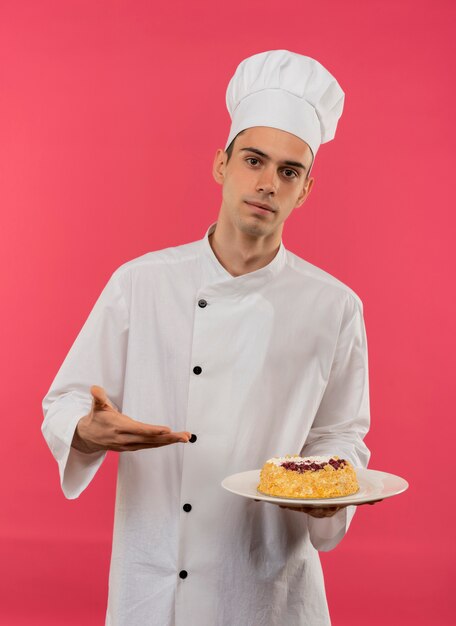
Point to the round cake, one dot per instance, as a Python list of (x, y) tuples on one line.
[(308, 477)]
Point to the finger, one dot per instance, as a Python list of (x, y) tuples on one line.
[(171, 436), (100, 399), (319, 514), (314, 511), (306, 509), (129, 426), (149, 439), (131, 447), (168, 437), (324, 512), (183, 436), (149, 431)]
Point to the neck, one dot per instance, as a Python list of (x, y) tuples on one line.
[(241, 253)]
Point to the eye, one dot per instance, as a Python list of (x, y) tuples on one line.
[(290, 173), (295, 174)]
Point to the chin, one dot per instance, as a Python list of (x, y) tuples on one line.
[(253, 228)]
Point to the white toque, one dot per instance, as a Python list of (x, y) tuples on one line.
[(288, 91)]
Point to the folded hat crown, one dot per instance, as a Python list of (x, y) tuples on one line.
[(285, 90)]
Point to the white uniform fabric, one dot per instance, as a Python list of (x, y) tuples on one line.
[(284, 370)]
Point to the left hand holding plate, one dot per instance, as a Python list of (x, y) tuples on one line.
[(324, 511)]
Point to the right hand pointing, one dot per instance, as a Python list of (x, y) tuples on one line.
[(105, 428)]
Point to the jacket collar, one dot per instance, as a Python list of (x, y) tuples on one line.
[(216, 279)]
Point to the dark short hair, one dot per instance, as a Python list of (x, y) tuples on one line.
[(229, 152)]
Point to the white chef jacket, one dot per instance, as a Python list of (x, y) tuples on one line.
[(283, 370)]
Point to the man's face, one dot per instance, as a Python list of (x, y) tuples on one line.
[(263, 168)]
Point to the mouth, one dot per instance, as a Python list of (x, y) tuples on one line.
[(264, 208)]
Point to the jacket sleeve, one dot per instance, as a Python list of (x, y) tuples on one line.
[(343, 417), (97, 357)]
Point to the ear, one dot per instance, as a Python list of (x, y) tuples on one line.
[(304, 193), (218, 168)]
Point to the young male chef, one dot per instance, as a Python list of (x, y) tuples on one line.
[(242, 351)]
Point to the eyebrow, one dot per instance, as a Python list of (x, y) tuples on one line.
[(266, 156)]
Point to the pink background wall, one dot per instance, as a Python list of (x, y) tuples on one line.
[(110, 115)]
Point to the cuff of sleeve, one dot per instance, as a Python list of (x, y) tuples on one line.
[(76, 469), (325, 533)]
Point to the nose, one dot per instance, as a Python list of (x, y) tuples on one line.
[(267, 182)]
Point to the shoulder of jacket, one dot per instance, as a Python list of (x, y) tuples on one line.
[(309, 271), (167, 256)]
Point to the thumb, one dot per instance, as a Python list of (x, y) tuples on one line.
[(100, 399)]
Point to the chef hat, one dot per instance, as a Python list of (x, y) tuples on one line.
[(288, 91)]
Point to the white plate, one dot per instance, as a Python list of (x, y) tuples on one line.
[(373, 485)]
